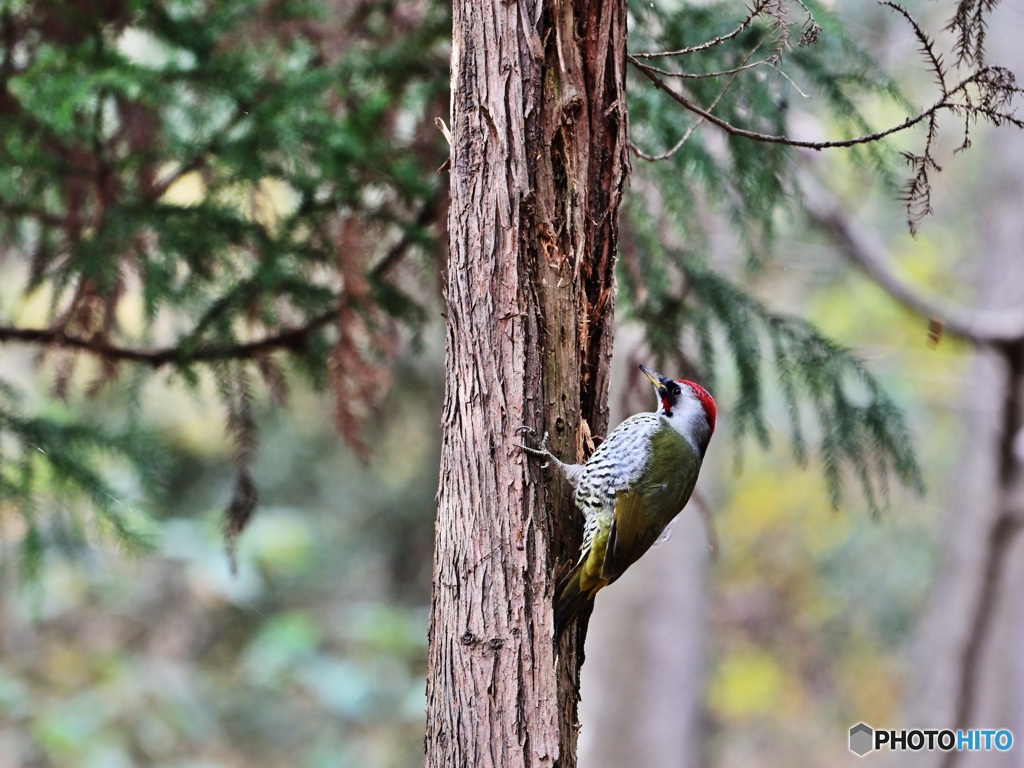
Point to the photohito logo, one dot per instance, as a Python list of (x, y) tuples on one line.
[(865, 739)]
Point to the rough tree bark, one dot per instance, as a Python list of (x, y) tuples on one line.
[(538, 165)]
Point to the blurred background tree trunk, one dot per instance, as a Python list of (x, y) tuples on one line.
[(642, 689), (968, 667), (968, 671)]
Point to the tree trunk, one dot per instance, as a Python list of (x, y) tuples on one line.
[(538, 165)]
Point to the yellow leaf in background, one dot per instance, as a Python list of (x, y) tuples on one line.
[(757, 507), (825, 529), (745, 683)]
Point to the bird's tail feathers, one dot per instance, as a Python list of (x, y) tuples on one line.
[(571, 600)]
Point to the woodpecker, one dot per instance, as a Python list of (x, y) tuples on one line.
[(632, 487)]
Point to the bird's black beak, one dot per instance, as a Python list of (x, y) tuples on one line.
[(660, 382)]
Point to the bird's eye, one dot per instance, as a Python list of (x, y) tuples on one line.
[(674, 389)]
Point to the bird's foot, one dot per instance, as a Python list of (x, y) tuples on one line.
[(541, 450)]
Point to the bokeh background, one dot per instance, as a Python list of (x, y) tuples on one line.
[(803, 620)]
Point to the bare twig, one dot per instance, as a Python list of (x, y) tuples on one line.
[(754, 12), (924, 43), (689, 131), (986, 94), (734, 72), (944, 103), (707, 75), (444, 130), (733, 130)]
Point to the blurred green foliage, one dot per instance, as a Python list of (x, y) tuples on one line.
[(312, 655), (224, 191)]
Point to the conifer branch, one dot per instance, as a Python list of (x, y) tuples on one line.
[(199, 158), (288, 339), (968, 24), (814, 372), (984, 94)]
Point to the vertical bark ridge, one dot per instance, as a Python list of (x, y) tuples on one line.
[(538, 164)]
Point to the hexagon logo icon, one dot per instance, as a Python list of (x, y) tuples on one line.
[(861, 739)]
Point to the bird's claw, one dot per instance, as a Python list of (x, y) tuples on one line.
[(541, 449)]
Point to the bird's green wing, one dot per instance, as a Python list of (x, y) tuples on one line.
[(630, 535), (644, 509)]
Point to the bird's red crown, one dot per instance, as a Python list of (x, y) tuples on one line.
[(706, 400)]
